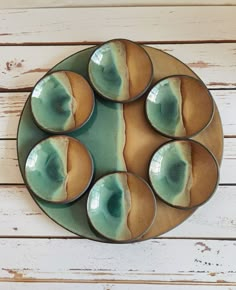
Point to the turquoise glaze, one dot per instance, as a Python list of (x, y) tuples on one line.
[(107, 156), (105, 74), (46, 169), (108, 207), (170, 173), (164, 107), (120, 70), (103, 135), (53, 104), (109, 72)]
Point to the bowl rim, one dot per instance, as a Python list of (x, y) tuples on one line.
[(49, 73), (154, 202), (187, 136), (142, 93), (27, 183), (216, 181)]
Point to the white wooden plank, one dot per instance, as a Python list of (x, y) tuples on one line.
[(228, 167), (10, 173), (226, 103), (162, 24), (154, 261), (20, 216), (11, 105), (9, 168), (105, 286), (97, 3), (21, 67), (215, 219)]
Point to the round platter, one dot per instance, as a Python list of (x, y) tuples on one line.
[(119, 138)]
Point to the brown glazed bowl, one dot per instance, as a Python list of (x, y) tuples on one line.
[(183, 173), (59, 169), (121, 206), (120, 70), (179, 106), (62, 102)]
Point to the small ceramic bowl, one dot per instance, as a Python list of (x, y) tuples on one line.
[(59, 169), (183, 173), (61, 102), (121, 206), (179, 106), (120, 70)]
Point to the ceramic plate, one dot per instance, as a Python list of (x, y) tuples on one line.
[(129, 143)]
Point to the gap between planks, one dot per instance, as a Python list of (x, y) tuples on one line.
[(159, 42)]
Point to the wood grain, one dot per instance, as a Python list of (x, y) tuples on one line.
[(22, 66), (155, 261), (106, 286), (35, 252), (148, 24), (104, 3), (21, 217)]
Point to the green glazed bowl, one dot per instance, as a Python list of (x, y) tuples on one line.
[(179, 106), (183, 173), (62, 101), (120, 70), (59, 169), (121, 206)]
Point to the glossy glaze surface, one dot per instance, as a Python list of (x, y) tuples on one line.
[(121, 206), (179, 106), (58, 169), (62, 101), (120, 70), (171, 173), (119, 138), (175, 173)]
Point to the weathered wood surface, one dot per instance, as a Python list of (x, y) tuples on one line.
[(105, 3), (105, 286), (198, 254), (10, 173), (154, 261), (22, 66), (21, 217), (11, 105), (149, 24)]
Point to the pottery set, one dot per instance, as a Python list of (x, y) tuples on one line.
[(120, 142)]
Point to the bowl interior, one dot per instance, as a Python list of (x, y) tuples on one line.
[(120, 70), (59, 169), (62, 101), (121, 206), (184, 174), (179, 106)]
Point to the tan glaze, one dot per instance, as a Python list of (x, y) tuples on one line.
[(204, 173), (197, 105), (143, 206), (139, 67), (142, 140), (84, 97), (79, 169)]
